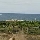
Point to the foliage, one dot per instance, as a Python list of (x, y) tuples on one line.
[(9, 26)]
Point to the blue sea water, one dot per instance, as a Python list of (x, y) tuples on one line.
[(6, 16)]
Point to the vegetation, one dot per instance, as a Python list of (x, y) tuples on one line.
[(28, 27)]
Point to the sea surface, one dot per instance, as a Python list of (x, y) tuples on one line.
[(8, 16)]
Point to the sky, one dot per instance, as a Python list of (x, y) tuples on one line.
[(20, 6)]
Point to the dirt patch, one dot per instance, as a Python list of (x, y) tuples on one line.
[(4, 36)]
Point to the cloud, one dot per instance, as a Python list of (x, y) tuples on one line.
[(20, 6)]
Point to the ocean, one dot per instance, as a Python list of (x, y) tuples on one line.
[(8, 16)]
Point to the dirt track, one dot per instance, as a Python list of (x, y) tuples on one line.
[(18, 37)]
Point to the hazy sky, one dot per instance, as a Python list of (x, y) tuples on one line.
[(20, 6)]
